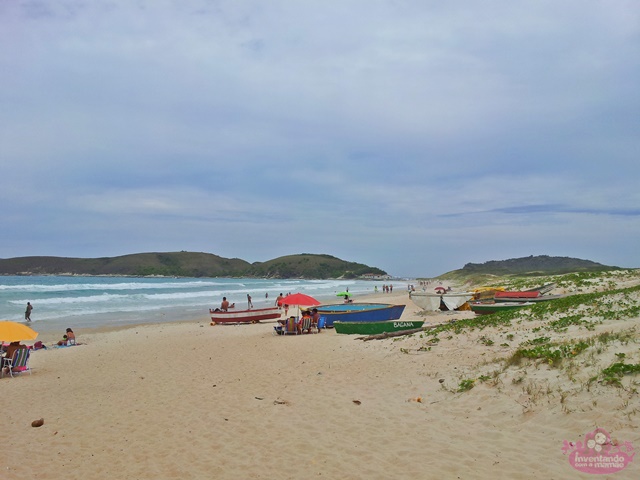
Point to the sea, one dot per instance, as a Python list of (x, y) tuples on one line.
[(78, 302)]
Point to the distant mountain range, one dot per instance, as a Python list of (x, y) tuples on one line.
[(306, 265), (189, 264)]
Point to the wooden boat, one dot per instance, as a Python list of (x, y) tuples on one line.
[(358, 312), (440, 301), (499, 294), (482, 308), (484, 294), (243, 316), (524, 297), (510, 294), (374, 328)]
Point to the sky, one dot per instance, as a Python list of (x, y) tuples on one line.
[(410, 135)]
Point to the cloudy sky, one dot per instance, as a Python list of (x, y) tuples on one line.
[(411, 135)]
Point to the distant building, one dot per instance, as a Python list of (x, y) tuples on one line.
[(375, 276)]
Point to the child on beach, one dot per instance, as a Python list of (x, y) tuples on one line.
[(68, 339)]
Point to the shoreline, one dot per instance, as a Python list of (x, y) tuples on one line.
[(53, 336), (80, 302)]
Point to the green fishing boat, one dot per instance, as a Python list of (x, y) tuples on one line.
[(374, 328)]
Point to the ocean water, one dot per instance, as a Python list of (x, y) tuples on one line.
[(88, 302)]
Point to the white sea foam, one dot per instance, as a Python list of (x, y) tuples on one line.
[(91, 301)]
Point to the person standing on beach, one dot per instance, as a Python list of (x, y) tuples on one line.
[(249, 304), (27, 313), (279, 300)]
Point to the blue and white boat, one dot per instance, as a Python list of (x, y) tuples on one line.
[(358, 312)]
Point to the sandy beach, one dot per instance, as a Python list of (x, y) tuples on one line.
[(190, 400)]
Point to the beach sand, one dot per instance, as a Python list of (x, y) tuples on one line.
[(190, 400)]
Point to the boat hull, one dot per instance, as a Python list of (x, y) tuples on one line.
[(358, 312), (542, 298), (432, 302), (374, 328), (488, 308), (244, 316)]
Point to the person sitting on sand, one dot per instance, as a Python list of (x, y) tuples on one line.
[(63, 342), (224, 306), (71, 337)]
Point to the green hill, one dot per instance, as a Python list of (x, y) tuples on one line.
[(188, 264), (311, 266), (532, 266)]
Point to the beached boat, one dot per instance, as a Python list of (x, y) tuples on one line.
[(485, 294), (374, 328), (358, 312), (244, 316), (482, 308), (524, 297), (499, 294), (432, 302)]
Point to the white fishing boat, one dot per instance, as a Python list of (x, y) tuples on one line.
[(432, 302)]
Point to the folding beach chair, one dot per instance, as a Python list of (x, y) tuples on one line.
[(307, 323), (18, 363), (290, 326)]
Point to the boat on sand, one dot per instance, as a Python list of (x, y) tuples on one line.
[(243, 316), (529, 297), (432, 302), (358, 312), (374, 328)]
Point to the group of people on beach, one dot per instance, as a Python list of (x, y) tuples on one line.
[(7, 351), (308, 322), (68, 339), (225, 305)]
